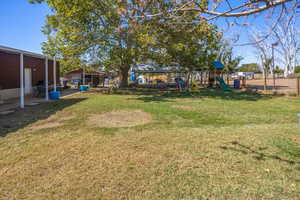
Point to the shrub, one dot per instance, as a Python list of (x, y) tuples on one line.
[(297, 70)]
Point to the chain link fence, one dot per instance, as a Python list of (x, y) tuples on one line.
[(287, 86)]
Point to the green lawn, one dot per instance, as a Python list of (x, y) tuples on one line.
[(201, 145)]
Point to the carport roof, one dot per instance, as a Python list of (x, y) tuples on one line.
[(18, 51)]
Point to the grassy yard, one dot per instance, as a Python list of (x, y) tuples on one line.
[(204, 145)]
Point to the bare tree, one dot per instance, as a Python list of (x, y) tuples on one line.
[(287, 34), (263, 51), (284, 38), (212, 9), (247, 8)]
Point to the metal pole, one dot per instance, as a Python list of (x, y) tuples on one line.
[(46, 79), (21, 80), (215, 77), (92, 80), (298, 86), (227, 77), (273, 66), (83, 74), (54, 73)]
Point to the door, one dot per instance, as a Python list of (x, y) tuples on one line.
[(28, 80)]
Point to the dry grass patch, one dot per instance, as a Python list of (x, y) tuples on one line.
[(66, 118), (220, 151), (45, 126), (53, 121), (121, 118), (59, 117)]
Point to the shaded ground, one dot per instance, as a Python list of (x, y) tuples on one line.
[(200, 145), (24, 117), (205, 93), (12, 104)]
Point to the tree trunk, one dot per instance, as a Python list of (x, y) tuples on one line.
[(189, 79), (201, 78), (265, 81), (123, 74), (211, 79), (227, 78)]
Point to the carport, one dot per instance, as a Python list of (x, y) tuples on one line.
[(14, 62)]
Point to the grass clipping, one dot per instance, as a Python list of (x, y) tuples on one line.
[(121, 118)]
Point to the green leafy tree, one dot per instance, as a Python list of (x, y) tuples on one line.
[(192, 46), (226, 57), (114, 34), (250, 67), (68, 61), (297, 70), (277, 70), (107, 33)]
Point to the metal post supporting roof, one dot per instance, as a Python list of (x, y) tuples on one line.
[(83, 74), (21, 80), (46, 80), (54, 74)]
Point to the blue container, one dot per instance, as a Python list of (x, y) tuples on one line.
[(236, 84), (132, 77), (54, 95), (83, 88)]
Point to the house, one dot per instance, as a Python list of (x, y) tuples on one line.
[(246, 74), (154, 72), (81, 76), (21, 71)]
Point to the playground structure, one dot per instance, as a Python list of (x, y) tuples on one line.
[(151, 76), (181, 85), (158, 80), (179, 79), (218, 76)]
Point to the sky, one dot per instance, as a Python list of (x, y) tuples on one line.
[(21, 24)]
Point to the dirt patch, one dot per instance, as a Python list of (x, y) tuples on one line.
[(283, 86), (120, 118), (296, 139), (61, 118), (66, 118), (45, 126)]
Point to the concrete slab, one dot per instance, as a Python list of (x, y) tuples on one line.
[(32, 104), (12, 104), (7, 112)]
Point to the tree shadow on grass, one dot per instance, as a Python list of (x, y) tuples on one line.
[(23, 117), (258, 154), (204, 93)]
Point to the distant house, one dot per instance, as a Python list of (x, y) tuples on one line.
[(13, 61), (80, 76), (245, 74), (154, 68)]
